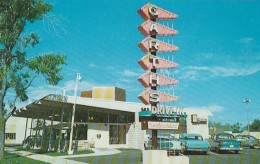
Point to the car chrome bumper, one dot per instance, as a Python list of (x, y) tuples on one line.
[(197, 149), (230, 148)]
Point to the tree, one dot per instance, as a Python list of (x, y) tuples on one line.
[(227, 127), (17, 70), (255, 126), (210, 124), (215, 125), (236, 128)]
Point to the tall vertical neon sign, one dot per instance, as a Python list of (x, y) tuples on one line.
[(151, 46)]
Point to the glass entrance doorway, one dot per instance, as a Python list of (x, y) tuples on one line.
[(117, 134)]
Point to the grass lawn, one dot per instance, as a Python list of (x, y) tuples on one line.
[(127, 156), (10, 158)]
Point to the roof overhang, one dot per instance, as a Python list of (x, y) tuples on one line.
[(52, 105)]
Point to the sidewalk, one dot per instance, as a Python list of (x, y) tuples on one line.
[(62, 159)]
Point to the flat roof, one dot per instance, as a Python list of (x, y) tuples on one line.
[(53, 104)]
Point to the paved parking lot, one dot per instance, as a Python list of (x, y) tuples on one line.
[(246, 156)]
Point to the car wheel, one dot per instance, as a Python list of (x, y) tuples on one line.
[(207, 152), (217, 150), (255, 146)]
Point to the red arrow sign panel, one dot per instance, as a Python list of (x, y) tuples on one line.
[(153, 62), (148, 96), (150, 11), (152, 79), (150, 44), (149, 26)]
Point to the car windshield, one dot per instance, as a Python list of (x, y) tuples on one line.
[(251, 138), (164, 139), (225, 136), (161, 139), (194, 138), (241, 137)]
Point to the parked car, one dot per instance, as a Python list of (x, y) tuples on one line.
[(224, 142), (165, 143), (248, 141), (194, 142)]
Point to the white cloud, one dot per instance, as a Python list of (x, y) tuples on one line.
[(191, 75), (91, 65), (243, 71), (246, 40), (130, 73), (110, 68), (203, 56), (197, 68), (125, 80), (82, 86), (196, 73), (36, 93), (212, 108)]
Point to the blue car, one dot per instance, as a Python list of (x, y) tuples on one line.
[(223, 142), (194, 142)]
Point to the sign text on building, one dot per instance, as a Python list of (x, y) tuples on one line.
[(199, 120), (163, 125)]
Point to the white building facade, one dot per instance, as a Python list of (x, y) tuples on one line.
[(107, 123)]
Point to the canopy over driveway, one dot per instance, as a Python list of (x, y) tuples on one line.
[(51, 106)]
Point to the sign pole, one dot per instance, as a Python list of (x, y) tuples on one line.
[(150, 45), (154, 88)]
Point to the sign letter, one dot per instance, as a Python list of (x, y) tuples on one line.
[(154, 59), (153, 11), (154, 97), (154, 109), (153, 28), (154, 45), (155, 78)]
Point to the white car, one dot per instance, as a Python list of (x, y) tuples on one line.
[(164, 143)]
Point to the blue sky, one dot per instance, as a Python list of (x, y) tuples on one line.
[(218, 40)]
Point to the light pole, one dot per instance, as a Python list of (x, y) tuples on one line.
[(70, 151), (247, 101)]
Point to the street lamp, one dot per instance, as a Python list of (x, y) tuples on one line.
[(73, 112), (247, 101)]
